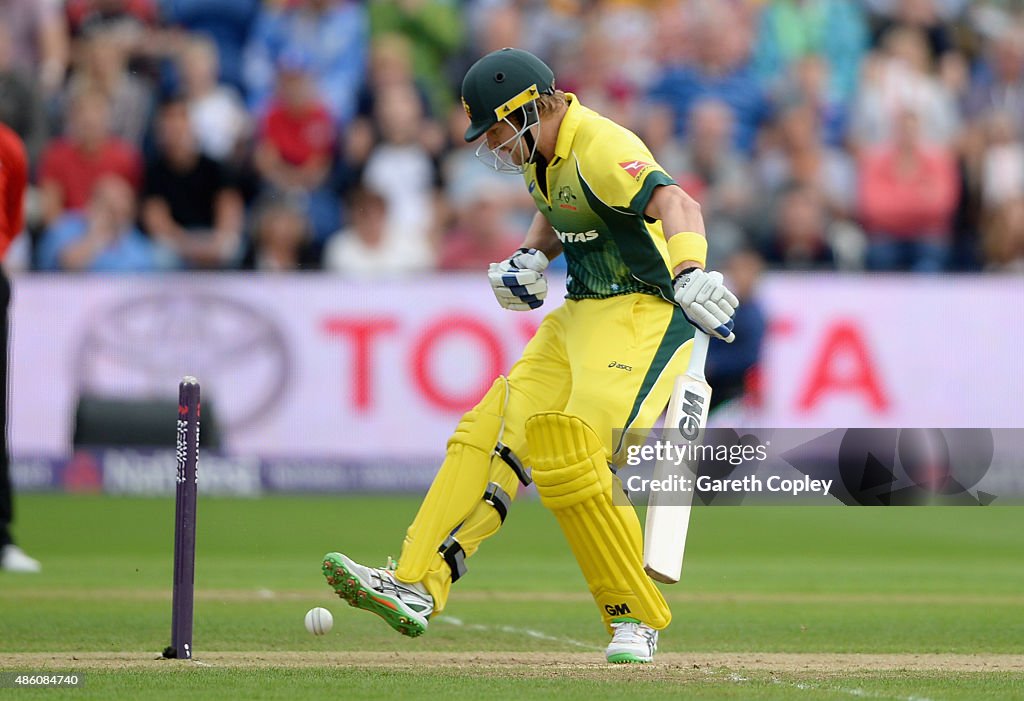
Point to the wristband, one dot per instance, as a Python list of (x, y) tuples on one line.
[(685, 246)]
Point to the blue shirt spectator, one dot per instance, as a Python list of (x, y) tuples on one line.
[(102, 238), (732, 367), (682, 87), (226, 22), (131, 251), (335, 33), (717, 69)]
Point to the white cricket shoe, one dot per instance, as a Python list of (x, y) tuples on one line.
[(405, 607), (633, 641), (14, 559)]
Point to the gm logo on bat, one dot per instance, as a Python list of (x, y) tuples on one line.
[(689, 422)]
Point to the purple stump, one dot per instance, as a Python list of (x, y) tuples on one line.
[(185, 520)]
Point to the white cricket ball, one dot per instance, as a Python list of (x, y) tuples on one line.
[(319, 621)]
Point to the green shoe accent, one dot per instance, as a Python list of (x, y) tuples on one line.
[(626, 658), (625, 619), (349, 587)]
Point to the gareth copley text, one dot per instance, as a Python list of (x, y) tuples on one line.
[(745, 485)]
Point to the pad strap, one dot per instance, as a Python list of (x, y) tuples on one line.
[(499, 499), (454, 555), (510, 459)]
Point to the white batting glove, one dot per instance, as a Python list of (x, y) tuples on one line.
[(518, 282), (707, 302)]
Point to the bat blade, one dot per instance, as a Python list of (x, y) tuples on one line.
[(668, 512)]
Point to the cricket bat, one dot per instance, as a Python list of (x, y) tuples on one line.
[(668, 513)]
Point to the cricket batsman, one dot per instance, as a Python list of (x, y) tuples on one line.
[(601, 363)]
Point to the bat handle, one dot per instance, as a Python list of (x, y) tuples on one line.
[(698, 355)]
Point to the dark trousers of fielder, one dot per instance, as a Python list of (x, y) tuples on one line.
[(6, 502)]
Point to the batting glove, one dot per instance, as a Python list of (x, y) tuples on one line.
[(707, 302), (519, 282)]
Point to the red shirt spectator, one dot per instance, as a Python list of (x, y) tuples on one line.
[(299, 134), (13, 178), (908, 189), (75, 170), (71, 166)]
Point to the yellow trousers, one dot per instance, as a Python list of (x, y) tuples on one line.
[(608, 362)]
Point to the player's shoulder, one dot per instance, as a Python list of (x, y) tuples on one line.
[(611, 159), (599, 137)]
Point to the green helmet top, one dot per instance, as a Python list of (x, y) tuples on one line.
[(499, 83)]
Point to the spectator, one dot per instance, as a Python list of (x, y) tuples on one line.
[(908, 191), (898, 78), (538, 26), (104, 238), (280, 240), (129, 23), (800, 239), (217, 114), (494, 24), (39, 40), (922, 15), (998, 83), (104, 69), (807, 82), (732, 367), (434, 29), (799, 154), (1003, 240), (225, 23), (71, 166), (21, 103), (628, 28), (372, 246), (295, 151), (671, 21), (833, 29), (711, 171), (481, 234), (401, 157), (596, 74), (188, 204), (720, 69), (1002, 168), (391, 64), (334, 32)]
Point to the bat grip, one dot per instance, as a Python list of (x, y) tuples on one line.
[(698, 355)]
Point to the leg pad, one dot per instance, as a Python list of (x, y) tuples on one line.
[(571, 472)]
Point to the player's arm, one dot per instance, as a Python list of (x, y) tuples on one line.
[(703, 296), (542, 237), (518, 282), (678, 213)]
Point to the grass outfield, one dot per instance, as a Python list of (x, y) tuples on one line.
[(805, 603)]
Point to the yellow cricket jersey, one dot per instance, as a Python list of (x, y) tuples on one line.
[(598, 184)]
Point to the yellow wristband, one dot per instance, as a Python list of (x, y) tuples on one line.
[(687, 245)]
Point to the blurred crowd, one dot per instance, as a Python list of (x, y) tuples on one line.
[(327, 134)]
